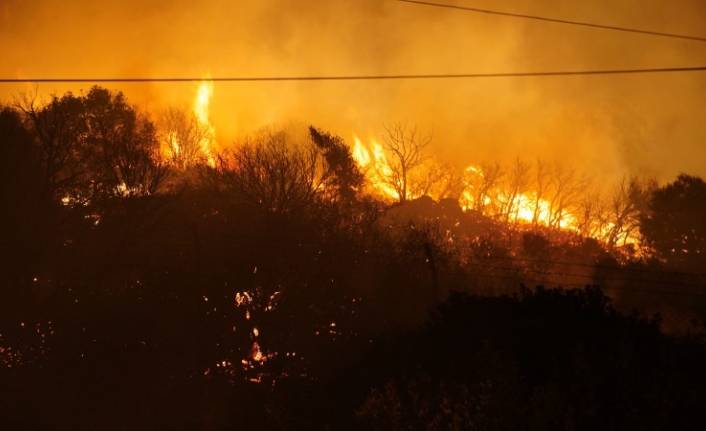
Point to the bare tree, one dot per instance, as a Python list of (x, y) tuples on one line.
[(58, 129), (541, 189), (483, 185), (182, 137), (405, 146), (591, 215), (627, 203), (269, 173), (566, 188), (439, 180), (432, 179), (517, 182)]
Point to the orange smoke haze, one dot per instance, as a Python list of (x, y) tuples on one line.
[(608, 126)]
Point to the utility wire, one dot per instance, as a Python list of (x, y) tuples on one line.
[(555, 20), (362, 77)]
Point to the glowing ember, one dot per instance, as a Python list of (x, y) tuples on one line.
[(242, 298), (256, 353)]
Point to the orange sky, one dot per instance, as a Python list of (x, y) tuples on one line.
[(609, 126)]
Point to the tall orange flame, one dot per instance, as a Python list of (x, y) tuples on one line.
[(201, 111)]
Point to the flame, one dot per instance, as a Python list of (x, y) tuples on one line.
[(376, 167), (173, 144), (522, 208), (201, 111), (172, 149), (499, 202)]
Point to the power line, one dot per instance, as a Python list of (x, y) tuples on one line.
[(554, 20), (360, 77)]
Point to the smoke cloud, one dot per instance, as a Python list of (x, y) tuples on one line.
[(608, 126)]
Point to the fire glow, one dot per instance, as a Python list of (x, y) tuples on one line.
[(203, 133), (498, 201), (201, 110)]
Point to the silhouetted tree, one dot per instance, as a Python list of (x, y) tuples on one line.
[(95, 146), (541, 190), (405, 148), (275, 175), (59, 129), (182, 137), (518, 179), (592, 215), (566, 188), (483, 181), (342, 178), (674, 225), (628, 202), (121, 146)]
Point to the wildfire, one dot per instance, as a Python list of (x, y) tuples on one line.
[(201, 110), (376, 168), (519, 207), (479, 192), (198, 136)]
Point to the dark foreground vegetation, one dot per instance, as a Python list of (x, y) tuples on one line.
[(270, 292)]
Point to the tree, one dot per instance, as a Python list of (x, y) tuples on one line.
[(518, 180), (541, 189), (121, 146), (405, 147), (483, 184), (58, 130), (592, 217), (627, 203), (181, 141), (566, 188), (271, 174), (674, 224), (94, 146), (341, 178)]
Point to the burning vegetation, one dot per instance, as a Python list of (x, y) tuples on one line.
[(293, 262), (189, 136), (400, 167)]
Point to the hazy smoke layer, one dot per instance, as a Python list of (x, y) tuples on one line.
[(609, 126)]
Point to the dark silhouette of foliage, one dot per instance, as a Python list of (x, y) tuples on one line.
[(343, 175), (120, 146), (58, 128), (94, 147), (675, 223), (268, 292), (28, 216), (546, 359), (273, 175)]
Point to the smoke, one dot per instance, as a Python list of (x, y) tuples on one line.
[(608, 126)]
